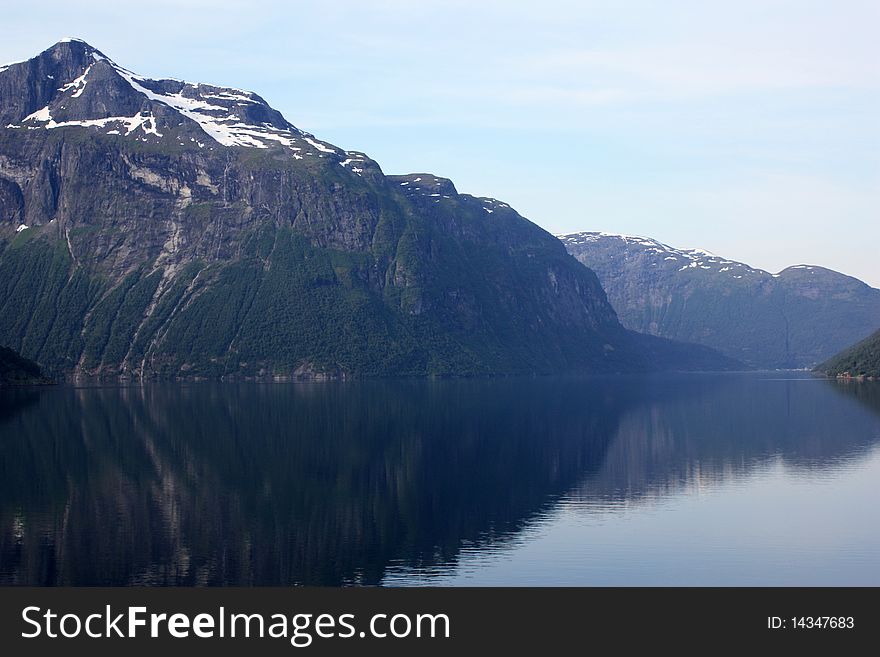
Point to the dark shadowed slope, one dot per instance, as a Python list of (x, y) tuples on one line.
[(15, 370)]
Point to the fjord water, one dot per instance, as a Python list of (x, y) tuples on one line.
[(688, 479)]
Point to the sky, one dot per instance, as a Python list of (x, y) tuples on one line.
[(750, 128)]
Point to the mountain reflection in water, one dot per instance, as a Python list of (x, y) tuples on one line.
[(379, 481)]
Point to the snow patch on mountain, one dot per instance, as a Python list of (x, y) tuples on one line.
[(147, 122), (666, 256), (79, 84), (204, 113), (221, 112), (352, 162), (681, 259), (321, 147)]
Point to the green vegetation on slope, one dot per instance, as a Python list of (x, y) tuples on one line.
[(860, 360), (301, 307)]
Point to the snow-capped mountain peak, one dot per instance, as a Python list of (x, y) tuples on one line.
[(662, 255), (77, 86)]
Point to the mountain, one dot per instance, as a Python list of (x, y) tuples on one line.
[(15, 370), (793, 319), (860, 360), (160, 227)]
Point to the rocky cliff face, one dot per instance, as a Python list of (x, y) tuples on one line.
[(793, 319), (158, 227)]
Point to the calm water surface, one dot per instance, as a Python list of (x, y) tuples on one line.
[(699, 480)]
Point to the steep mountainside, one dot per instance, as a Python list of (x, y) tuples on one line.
[(158, 227), (860, 360), (792, 319)]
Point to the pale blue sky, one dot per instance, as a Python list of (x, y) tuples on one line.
[(748, 128)]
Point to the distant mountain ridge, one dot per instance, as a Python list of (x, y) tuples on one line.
[(166, 228), (793, 319)]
